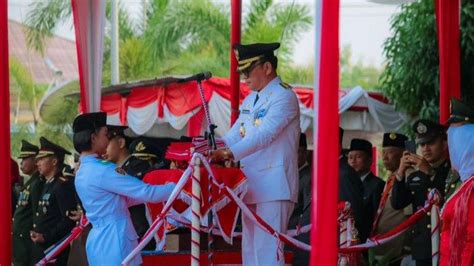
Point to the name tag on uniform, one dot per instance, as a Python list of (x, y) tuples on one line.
[(245, 111), (260, 113)]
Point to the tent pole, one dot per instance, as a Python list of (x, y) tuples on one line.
[(236, 10), (5, 186)]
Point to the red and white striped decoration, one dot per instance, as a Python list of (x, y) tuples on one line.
[(435, 234), (196, 214)]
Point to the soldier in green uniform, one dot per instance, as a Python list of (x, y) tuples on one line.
[(27, 205), (57, 199), (453, 182)]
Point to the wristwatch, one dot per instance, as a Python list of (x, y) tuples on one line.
[(398, 176)]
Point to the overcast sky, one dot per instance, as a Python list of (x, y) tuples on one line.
[(363, 25)]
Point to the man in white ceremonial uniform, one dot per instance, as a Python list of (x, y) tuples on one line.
[(265, 140)]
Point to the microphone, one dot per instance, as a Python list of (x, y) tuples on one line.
[(198, 77)]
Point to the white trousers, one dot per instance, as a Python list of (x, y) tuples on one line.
[(259, 248)]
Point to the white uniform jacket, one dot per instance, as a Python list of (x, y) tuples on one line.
[(106, 195), (265, 140)]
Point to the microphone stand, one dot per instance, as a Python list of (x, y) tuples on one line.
[(212, 146)]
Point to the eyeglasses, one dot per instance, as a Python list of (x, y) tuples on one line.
[(246, 72)]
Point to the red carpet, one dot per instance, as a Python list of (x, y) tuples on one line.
[(183, 258)]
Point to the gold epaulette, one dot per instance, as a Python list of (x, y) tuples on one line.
[(286, 85)]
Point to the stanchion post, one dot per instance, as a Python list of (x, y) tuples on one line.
[(435, 234), (196, 217)]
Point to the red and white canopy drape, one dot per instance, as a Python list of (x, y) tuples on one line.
[(89, 21), (179, 105)]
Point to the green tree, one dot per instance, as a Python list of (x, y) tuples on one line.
[(22, 83), (357, 74), (175, 33), (411, 76), (198, 32)]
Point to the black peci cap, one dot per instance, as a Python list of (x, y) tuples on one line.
[(393, 139), (89, 121)]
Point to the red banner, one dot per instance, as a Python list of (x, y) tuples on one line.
[(325, 174), (448, 22), (5, 186)]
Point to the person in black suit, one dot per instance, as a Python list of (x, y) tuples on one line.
[(118, 152), (351, 190), (416, 177), (302, 214), (360, 159)]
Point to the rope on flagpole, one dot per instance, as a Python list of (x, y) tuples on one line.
[(196, 214)]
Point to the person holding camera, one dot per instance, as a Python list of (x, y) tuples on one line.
[(416, 177)]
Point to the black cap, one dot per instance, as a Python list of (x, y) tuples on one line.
[(247, 54), (394, 140), (303, 142), (28, 150), (89, 121), (114, 131), (460, 112), (48, 149), (144, 148), (427, 131), (67, 171), (361, 145)]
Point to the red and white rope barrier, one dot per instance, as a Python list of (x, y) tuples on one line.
[(55, 250), (196, 214), (346, 239), (433, 198), (155, 226), (435, 233)]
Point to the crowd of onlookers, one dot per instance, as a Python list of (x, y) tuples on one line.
[(46, 206), (414, 168)]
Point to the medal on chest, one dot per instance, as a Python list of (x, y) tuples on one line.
[(242, 130), (257, 121)]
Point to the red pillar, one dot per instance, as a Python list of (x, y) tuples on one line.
[(324, 236), (448, 22), (236, 10), (5, 183)]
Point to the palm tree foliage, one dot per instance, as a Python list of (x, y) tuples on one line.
[(181, 36)]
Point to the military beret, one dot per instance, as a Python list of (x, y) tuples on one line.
[(247, 54), (460, 112), (89, 121), (28, 150), (48, 148), (144, 148), (394, 140), (361, 145), (427, 131)]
